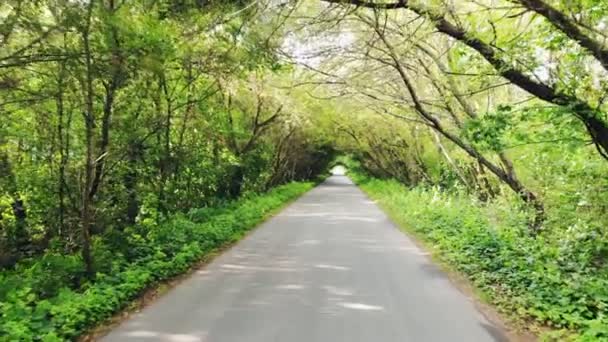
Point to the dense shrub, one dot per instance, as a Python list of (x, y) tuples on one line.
[(42, 299), (558, 279)]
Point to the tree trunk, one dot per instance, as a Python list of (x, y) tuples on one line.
[(89, 118), (130, 183), (165, 160), (235, 186), (62, 158), (449, 159)]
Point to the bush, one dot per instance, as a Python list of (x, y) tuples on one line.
[(41, 301)]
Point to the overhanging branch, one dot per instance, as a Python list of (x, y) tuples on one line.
[(369, 4)]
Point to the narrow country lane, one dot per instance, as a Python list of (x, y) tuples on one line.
[(331, 267)]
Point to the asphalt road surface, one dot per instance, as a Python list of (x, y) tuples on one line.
[(331, 267)]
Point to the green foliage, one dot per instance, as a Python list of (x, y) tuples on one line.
[(487, 132), (559, 279), (172, 105)]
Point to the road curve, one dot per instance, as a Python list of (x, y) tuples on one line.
[(331, 267)]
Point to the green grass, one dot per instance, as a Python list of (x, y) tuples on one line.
[(557, 280), (39, 302)]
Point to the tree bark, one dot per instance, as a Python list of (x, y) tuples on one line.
[(165, 160), (130, 183), (117, 75), (63, 140)]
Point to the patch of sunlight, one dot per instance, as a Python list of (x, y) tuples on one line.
[(199, 337), (183, 338), (361, 306), (235, 267), (332, 267), (290, 287), (306, 243), (143, 334), (355, 218), (373, 241), (305, 214), (232, 268), (259, 303)]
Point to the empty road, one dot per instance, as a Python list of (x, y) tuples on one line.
[(330, 267)]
